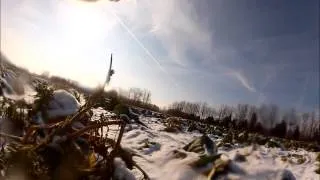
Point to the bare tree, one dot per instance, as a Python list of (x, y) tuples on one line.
[(251, 110), (273, 115), (206, 111), (135, 94), (304, 124), (312, 128), (123, 93), (179, 106), (203, 110), (188, 108), (242, 111), (224, 111), (182, 105), (146, 96), (292, 117), (193, 108), (212, 112), (268, 114)]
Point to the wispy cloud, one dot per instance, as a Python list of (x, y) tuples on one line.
[(181, 32), (174, 23), (243, 80)]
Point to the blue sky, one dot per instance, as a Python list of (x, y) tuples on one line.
[(219, 51)]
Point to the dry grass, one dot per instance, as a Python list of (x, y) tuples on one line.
[(40, 160)]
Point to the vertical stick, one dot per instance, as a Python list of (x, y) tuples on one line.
[(123, 125), (108, 78)]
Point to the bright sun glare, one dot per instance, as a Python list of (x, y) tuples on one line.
[(75, 30)]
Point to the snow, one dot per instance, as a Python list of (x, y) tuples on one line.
[(63, 104), (121, 171), (12, 84), (7, 87), (16, 87), (159, 161)]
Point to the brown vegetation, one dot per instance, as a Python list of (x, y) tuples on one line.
[(43, 159)]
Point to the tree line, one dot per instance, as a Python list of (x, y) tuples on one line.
[(266, 118), (132, 97)]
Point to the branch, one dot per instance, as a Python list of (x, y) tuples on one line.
[(17, 138), (142, 171), (91, 127)]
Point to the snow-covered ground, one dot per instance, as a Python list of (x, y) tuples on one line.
[(160, 162)]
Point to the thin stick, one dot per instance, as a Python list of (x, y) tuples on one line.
[(17, 138), (94, 126), (123, 124), (142, 171), (109, 74)]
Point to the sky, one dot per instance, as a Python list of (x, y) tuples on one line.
[(218, 51)]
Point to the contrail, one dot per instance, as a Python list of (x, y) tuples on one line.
[(143, 47)]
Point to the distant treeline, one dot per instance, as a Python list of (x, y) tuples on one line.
[(133, 97), (266, 119)]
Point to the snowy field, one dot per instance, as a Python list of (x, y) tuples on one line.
[(160, 154), (160, 161)]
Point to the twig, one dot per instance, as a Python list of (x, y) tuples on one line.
[(76, 116), (17, 138), (62, 125), (142, 171), (95, 126), (117, 147)]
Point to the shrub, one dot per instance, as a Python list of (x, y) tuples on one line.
[(253, 121), (280, 130), (121, 109), (111, 99), (43, 97), (296, 133)]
